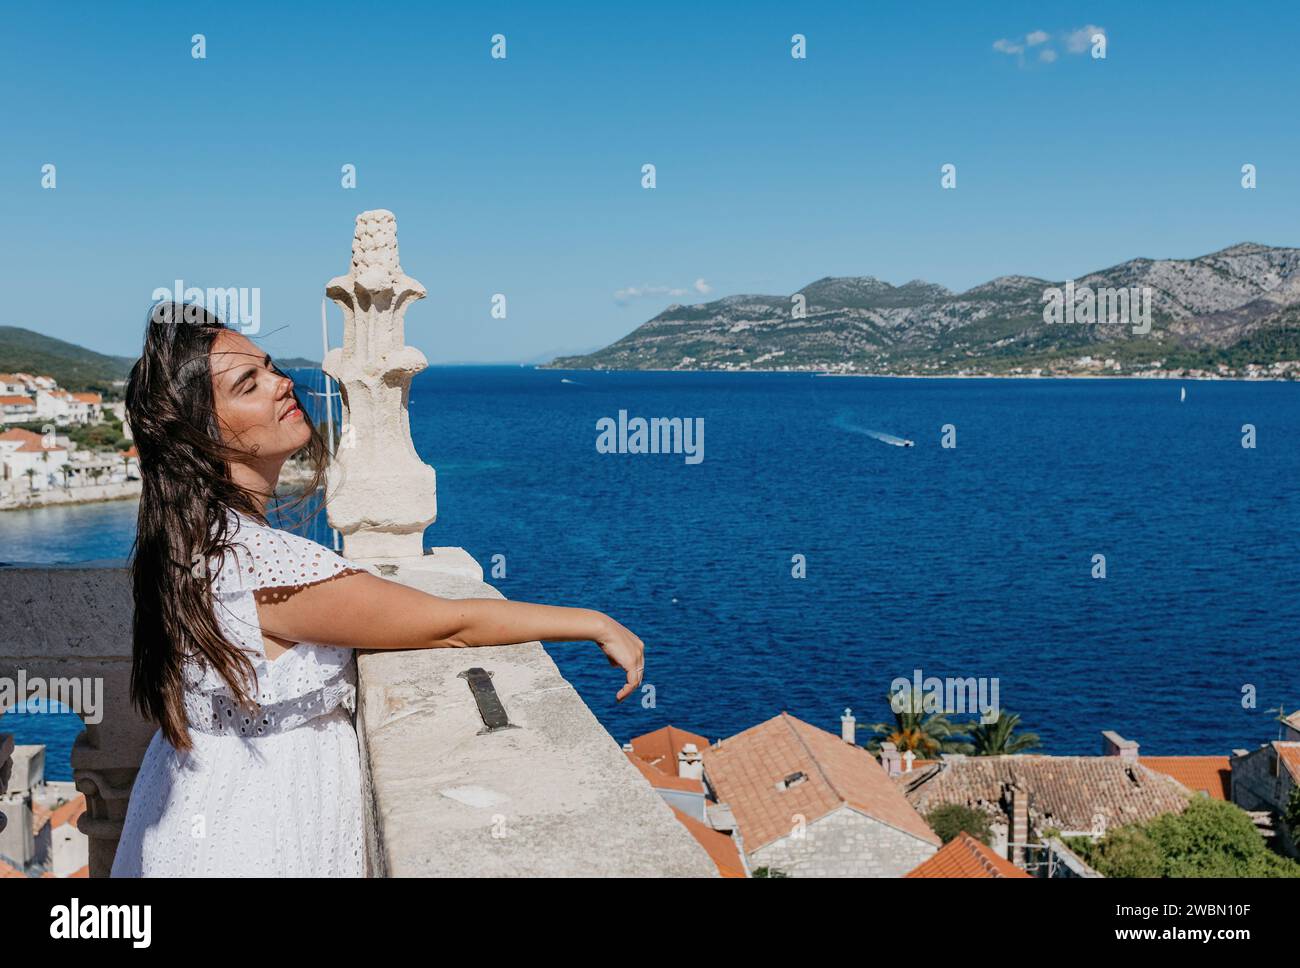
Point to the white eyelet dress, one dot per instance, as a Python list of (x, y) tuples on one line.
[(272, 792)]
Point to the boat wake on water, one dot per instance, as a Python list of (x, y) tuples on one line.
[(884, 438)]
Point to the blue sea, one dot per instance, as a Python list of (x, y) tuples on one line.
[(969, 561)]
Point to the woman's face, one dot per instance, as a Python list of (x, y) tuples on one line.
[(256, 410)]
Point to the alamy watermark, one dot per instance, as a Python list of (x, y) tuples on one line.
[(658, 435), (948, 696), (83, 696), (239, 306), (1104, 306)]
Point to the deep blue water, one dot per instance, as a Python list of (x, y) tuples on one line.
[(972, 561)]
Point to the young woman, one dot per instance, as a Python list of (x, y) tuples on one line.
[(244, 633)]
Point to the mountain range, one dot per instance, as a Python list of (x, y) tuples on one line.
[(1217, 312)]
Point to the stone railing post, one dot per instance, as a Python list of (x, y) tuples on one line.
[(380, 495)]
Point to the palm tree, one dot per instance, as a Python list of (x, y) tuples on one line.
[(31, 478), (97, 473), (925, 735), (998, 737), (66, 471)]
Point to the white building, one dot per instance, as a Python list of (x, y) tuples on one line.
[(22, 450), (17, 408), (42, 837)]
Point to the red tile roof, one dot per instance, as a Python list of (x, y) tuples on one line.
[(88, 397), (1208, 774), (745, 771), (1066, 792), (31, 443), (660, 748), (1288, 754), (68, 812), (662, 781), (12, 400), (81, 872), (964, 856), (719, 845)]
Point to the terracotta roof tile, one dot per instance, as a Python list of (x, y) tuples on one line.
[(1066, 792), (15, 400), (69, 811), (662, 781), (80, 872), (745, 769), (660, 748), (964, 856), (1209, 774), (1288, 754), (719, 845)]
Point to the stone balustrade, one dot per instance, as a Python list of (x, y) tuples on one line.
[(554, 797)]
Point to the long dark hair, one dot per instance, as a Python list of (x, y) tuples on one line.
[(186, 489)]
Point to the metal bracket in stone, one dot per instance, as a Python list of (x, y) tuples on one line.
[(489, 703)]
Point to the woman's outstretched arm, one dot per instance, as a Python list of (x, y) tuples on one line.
[(363, 611)]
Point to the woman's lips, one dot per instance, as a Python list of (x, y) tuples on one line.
[(296, 410)]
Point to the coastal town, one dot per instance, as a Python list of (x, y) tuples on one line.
[(786, 798), (62, 447)]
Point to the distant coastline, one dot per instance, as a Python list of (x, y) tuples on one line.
[(1205, 378)]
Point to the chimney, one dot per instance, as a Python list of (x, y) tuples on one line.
[(908, 757), (1113, 744), (849, 728), (1019, 824), (690, 762), (629, 748), (889, 759)]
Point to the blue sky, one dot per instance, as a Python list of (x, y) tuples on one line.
[(523, 176)]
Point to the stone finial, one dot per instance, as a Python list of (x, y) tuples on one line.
[(380, 495)]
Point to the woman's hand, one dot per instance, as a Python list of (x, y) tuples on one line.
[(623, 649)]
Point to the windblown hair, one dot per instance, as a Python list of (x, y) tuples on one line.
[(186, 489)]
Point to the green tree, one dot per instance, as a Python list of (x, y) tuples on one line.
[(999, 738), (925, 734), (1211, 838), (950, 819), (1292, 812), (1123, 852)]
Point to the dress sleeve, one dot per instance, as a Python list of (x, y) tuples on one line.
[(262, 557)]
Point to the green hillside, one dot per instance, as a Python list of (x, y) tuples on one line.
[(74, 367)]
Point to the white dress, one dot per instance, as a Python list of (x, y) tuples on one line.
[(276, 794)]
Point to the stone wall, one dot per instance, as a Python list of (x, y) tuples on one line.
[(845, 843)]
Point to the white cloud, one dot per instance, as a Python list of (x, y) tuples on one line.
[(1007, 46), (1036, 38), (623, 296), (1077, 41), (1047, 56)]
